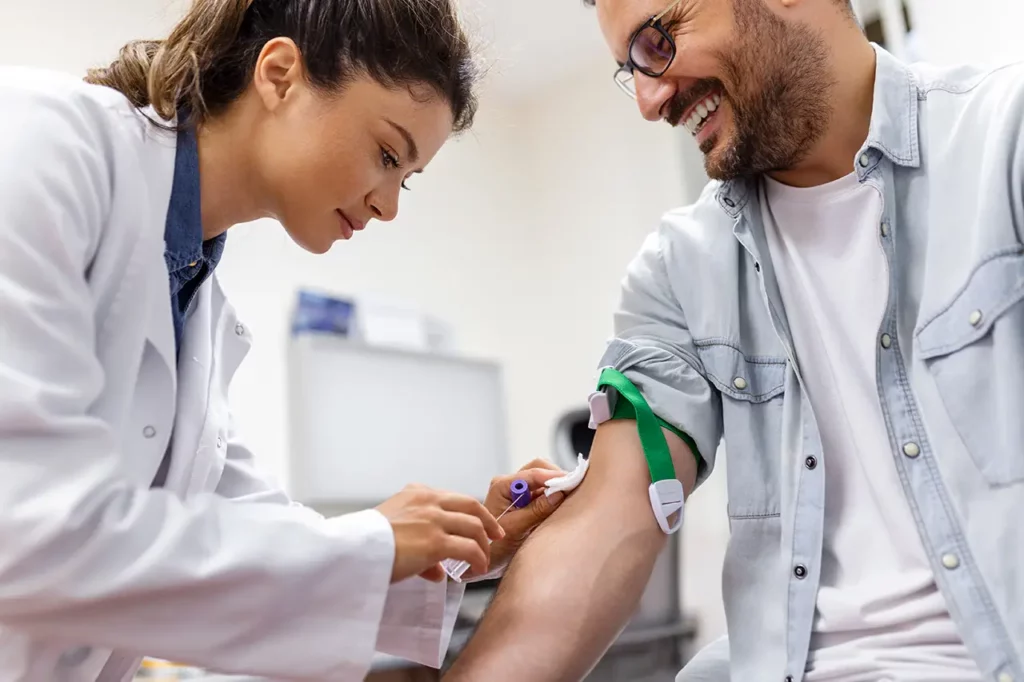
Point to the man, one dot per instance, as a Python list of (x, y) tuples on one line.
[(845, 304)]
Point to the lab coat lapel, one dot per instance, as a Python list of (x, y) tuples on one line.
[(159, 324), (188, 449)]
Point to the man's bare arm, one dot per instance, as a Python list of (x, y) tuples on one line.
[(577, 580)]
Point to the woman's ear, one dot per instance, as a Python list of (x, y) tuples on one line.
[(279, 72)]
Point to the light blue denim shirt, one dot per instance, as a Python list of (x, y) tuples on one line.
[(703, 333)]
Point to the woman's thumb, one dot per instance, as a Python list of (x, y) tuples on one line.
[(531, 516)]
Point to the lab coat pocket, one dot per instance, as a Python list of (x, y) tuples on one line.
[(974, 349), (752, 392)]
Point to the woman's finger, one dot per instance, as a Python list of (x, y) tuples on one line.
[(466, 526), (434, 574), (535, 478), (539, 464), (464, 549), (467, 505), (521, 521)]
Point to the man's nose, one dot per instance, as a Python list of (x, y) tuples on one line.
[(651, 95)]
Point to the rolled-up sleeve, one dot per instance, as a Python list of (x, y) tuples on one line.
[(653, 348)]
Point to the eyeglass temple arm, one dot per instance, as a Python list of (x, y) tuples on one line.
[(665, 11)]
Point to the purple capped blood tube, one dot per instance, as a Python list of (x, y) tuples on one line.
[(520, 490)]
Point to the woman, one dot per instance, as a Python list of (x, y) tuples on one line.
[(132, 522)]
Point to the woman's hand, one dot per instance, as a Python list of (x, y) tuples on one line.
[(518, 523), (432, 525)]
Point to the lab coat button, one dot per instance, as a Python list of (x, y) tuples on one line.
[(811, 462), (220, 442), (240, 329), (950, 561), (740, 383), (800, 571), (75, 657), (865, 160), (149, 432), (911, 450), (886, 341), (885, 229), (975, 318)]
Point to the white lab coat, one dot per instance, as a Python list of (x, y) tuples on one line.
[(218, 568)]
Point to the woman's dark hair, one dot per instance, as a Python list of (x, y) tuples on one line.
[(208, 59)]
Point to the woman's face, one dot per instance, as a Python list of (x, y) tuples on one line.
[(330, 162)]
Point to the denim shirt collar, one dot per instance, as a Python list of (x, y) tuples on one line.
[(183, 231), (893, 131)]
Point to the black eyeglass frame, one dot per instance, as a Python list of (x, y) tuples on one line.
[(627, 69)]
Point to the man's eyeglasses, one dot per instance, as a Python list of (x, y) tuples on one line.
[(651, 51)]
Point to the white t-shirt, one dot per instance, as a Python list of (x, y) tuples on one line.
[(880, 615)]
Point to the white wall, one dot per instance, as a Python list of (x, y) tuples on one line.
[(982, 31)]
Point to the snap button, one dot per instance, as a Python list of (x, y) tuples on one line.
[(811, 462), (911, 450), (757, 266), (729, 202), (148, 432), (740, 383), (865, 160), (239, 329), (886, 340), (885, 229), (950, 561), (975, 318), (220, 442), (800, 571)]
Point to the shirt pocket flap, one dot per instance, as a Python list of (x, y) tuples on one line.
[(993, 287), (752, 379)]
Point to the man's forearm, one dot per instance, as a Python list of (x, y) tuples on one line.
[(577, 580)]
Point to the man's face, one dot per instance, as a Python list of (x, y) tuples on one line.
[(750, 86)]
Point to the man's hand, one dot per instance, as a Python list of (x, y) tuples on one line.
[(582, 572)]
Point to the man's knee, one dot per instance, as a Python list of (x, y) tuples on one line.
[(711, 664)]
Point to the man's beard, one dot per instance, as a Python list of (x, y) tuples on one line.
[(779, 86)]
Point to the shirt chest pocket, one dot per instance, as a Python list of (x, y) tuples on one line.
[(974, 350), (751, 389)]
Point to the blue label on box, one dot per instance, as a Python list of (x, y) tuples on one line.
[(321, 313)]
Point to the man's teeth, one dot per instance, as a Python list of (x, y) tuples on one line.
[(701, 112)]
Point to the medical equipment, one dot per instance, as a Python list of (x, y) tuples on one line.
[(666, 491), (345, 460), (456, 569), (520, 493), (569, 482)]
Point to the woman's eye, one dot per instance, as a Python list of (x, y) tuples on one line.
[(388, 159)]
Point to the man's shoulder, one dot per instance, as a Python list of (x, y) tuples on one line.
[(701, 228), (970, 112), (972, 94), (966, 79)]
